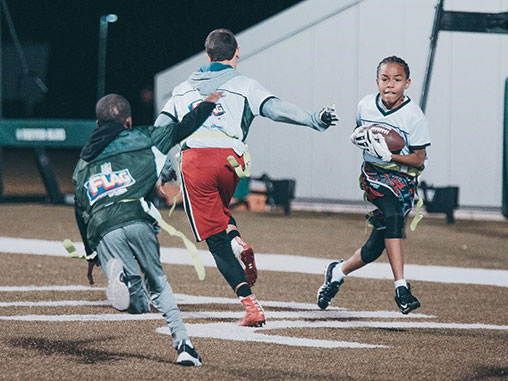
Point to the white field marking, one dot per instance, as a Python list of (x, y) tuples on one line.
[(287, 263), (87, 317), (231, 331), (305, 315), (59, 303), (275, 324), (192, 299), (217, 315), (49, 288), (183, 299), (281, 324)]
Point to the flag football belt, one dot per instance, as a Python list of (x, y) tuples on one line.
[(216, 134), (152, 211), (411, 171)]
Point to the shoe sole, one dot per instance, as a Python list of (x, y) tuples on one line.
[(322, 305), (251, 272), (185, 359), (328, 277), (410, 307), (257, 324), (117, 291)]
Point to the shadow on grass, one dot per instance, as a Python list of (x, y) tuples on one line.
[(489, 373), (77, 349)]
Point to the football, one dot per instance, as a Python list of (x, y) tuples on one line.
[(394, 141)]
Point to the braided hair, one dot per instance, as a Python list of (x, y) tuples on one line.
[(394, 59)]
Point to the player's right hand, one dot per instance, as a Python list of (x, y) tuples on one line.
[(361, 138), (328, 116), (213, 97)]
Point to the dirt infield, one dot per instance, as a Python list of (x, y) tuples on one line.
[(460, 332)]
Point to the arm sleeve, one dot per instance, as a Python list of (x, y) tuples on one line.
[(164, 118), (167, 114), (257, 96), (166, 136), (359, 113), (281, 111), (419, 136)]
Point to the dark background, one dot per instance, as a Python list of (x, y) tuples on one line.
[(149, 36)]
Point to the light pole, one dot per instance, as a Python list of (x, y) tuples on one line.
[(101, 61)]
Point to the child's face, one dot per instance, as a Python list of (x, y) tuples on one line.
[(391, 82)]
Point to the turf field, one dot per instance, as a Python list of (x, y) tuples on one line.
[(55, 326)]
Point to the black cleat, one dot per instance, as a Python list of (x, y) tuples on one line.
[(405, 300), (187, 355), (328, 289)]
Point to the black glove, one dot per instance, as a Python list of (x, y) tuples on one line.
[(328, 116), (168, 174)]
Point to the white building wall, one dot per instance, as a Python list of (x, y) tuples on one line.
[(326, 51)]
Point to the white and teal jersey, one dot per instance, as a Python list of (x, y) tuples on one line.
[(229, 123), (407, 119)]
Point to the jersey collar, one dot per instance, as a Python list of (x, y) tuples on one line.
[(383, 110)]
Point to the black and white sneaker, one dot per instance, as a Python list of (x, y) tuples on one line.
[(187, 355), (405, 300), (328, 289), (117, 291)]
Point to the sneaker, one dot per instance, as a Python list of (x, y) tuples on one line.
[(243, 251), (117, 291), (328, 289), (405, 300), (254, 313), (187, 355)]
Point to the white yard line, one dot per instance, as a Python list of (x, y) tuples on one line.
[(205, 314), (287, 263), (49, 288), (57, 303)]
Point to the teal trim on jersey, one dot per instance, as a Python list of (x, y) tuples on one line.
[(247, 118), (214, 66), (385, 113)]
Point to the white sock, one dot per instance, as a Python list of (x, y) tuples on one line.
[(400, 282), (337, 274)]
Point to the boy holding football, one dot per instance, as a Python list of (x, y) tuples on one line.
[(388, 179)]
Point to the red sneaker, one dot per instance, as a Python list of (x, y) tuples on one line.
[(243, 251), (254, 313)]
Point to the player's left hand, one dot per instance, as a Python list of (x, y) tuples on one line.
[(328, 116), (380, 148), (89, 274)]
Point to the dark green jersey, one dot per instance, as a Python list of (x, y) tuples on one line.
[(108, 187)]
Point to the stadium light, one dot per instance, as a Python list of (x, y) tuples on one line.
[(104, 20)]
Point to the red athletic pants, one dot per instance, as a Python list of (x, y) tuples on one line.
[(208, 183)]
